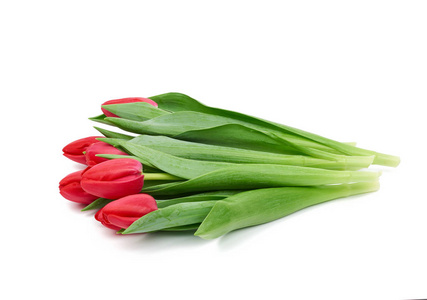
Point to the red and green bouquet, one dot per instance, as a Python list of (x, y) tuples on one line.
[(175, 164)]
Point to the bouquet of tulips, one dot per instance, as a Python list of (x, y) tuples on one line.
[(182, 165)]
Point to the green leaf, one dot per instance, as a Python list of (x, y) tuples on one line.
[(171, 124), (137, 111), (217, 195), (198, 151), (261, 206), (150, 183), (180, 123), (184, 148), (181, 167), (101, 119), (181, 214), (179, 102), (183, 228), (238, 136), (97, 204), (147, 168), (112, 134), (254, 176)]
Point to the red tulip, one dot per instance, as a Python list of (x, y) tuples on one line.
[(114, 178), (123, 212), (70, 188), (125, 100), (74, 150), (100, 148)]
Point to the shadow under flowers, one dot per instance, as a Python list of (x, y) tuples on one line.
[(162, 241)]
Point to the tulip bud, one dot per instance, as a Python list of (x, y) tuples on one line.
[(74, 150), (114, 178), (125, 100), (100, 148), (123, 212), (70, 188)]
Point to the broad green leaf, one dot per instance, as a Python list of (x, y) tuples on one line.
[(114, 156), (254, 176), (180, 122), (181, 167), (181, 214), (147, 167), (171, 124), (238, 136), (137, 111), (177, 124), (198, 151), (217, 195), (179, 102), (261, 206), (183, 228)]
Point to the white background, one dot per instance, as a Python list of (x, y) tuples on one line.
[(348, 70)]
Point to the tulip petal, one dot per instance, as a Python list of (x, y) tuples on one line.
[(75, 149), (114, 179), (114, 169), (121, 221), (132, 205), (114, 189), (100, 148), (70, 188), (123, 212)]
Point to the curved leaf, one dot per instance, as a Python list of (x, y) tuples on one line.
[(253, 176), (265, 205)]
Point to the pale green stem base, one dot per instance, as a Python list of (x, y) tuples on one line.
[(160, 176)]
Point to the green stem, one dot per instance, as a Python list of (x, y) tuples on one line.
[(160, 176)]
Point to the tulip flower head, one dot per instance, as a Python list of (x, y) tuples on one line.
[(123, 212), (100, 148), (70, 188), (114, 178), (125, 100), (74, 150)]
